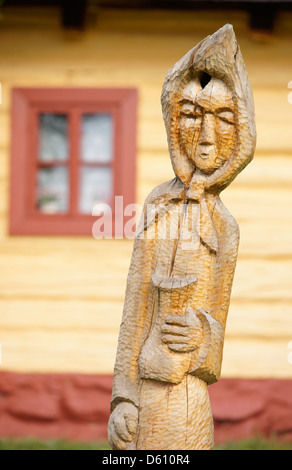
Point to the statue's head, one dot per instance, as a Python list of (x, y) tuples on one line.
[(208, 111), (207, 126)]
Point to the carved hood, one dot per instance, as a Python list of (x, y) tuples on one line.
[(220, 57)]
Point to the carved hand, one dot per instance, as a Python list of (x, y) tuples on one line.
[(182, 334), (122, 425)]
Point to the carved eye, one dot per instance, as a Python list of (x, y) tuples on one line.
[(226, 116), (199, 112), (187, 109), (187, 112)]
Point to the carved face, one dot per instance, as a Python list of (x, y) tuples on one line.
[(207, 124)]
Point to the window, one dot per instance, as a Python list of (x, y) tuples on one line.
[(71, 149)]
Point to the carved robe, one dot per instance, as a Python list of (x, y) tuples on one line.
[(138, 380)]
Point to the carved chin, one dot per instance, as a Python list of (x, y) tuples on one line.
[(208, 163), (205, 163)]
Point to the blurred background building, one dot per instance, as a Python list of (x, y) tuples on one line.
[(81, 122)]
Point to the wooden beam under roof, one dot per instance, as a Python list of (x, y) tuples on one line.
[(74, 14)]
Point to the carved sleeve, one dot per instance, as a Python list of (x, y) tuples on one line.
[(207, 361), (134, 326)]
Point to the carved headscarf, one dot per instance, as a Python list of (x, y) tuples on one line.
[(220, 57)]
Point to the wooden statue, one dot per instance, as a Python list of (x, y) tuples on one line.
[(179, 284)]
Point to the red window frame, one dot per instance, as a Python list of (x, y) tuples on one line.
[(27, 104)]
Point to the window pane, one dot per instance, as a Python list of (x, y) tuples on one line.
[(53, 137), (53, 190), (97, 138), (96, 187)]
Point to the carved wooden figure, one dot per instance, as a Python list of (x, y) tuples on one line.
[(179, 284)]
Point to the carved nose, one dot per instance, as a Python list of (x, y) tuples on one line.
[(208, 131)]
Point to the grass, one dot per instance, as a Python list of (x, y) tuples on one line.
[(256, 444), (33, 444)]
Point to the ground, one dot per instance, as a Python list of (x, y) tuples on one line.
[(33, 444)]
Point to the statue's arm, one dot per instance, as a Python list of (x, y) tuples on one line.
[(207, 360), (136, 322), (134, 326), (123, 420), (137, 312)]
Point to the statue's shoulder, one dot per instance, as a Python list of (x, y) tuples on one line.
[(164, 192), (157, 201)]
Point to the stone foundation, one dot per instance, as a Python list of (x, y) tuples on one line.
[(76, 407)]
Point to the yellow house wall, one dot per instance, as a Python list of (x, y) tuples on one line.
[(61, 298)]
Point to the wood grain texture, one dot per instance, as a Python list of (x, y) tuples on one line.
[(179, 284)]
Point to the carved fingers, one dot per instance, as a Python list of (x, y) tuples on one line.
[(182, 333), (122, 425)]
